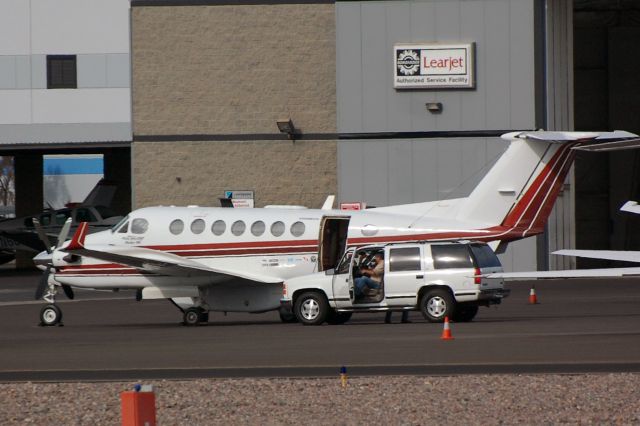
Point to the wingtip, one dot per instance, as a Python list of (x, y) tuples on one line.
[(77, 242)]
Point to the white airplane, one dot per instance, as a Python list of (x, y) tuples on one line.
[(618, 255), (235, 260)]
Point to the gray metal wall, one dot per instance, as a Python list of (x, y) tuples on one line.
[(504, 36), (393, 171)]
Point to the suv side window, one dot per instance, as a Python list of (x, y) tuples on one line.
[(485, 257), (404, 259), (447, 256)]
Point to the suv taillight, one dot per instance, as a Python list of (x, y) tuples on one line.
[(284, 289), (477, 279)]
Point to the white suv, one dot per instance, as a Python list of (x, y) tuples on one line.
[(439, 279)]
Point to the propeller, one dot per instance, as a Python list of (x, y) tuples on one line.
[(62, 237)]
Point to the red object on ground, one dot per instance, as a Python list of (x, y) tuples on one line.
[(446, 331), (138, 408), (533, 299)]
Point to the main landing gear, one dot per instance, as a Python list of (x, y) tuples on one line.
[(195, 316)]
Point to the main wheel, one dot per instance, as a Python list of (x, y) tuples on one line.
[(437, 304), (464, 313), (337, 318), (50, 315), (311, 308), (287, 316), (191, 316)]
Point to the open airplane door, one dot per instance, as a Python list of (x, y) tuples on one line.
[(332, 241)]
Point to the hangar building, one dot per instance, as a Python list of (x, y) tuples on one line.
[(210, 80)]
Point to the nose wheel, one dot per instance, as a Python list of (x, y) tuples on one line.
[(50, 315)]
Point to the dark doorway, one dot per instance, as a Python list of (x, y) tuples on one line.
[(607, 97)]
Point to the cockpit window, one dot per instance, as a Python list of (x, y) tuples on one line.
[(117, 225), (124, 228), (139, 226), (176, 227)]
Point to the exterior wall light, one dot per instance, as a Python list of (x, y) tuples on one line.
[(434, 107), (286, 127)]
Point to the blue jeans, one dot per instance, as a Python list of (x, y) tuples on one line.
[(363, 282)]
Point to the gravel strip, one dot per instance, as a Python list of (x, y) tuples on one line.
[(464, 400)]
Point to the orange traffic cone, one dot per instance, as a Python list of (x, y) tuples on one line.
[(533, 299), (446, 331)]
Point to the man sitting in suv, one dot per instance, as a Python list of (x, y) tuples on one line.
[(371, 277)]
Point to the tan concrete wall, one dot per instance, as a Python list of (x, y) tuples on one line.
[(233, 70), (301, 172)]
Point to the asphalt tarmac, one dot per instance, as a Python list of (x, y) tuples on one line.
[(579, 326)]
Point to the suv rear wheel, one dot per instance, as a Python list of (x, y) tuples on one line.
[(311, 308), (437, 304)]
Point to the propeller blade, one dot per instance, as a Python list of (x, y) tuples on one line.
[(43, 236), (42, 284), (68, 291), (64, 233)]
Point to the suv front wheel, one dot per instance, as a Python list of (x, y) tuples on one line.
[(437, 304), (311, 308)]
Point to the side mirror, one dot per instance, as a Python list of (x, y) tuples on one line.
[(331, 271)]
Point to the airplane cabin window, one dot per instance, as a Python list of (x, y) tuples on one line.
[(124, 228), (257, 228), (238, 228), (139, 226), (218, 227), (45, 220), (61, 217), (176, 227), (197, 226), (297, 229), (277, 229)]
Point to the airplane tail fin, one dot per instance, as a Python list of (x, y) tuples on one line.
[(101, 194), (77, 242), (519, 191)]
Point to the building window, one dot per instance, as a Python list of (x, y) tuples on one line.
[(61, 72)]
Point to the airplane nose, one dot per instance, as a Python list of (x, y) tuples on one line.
[(42, 260)]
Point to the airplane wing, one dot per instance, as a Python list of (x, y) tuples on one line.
[(579, 273), (631, 207), (624, 256), (156, 262)]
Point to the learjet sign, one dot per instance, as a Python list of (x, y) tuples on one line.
[(235, 260)]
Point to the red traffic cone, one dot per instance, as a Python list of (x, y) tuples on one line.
[(446, 331), (533, 299)]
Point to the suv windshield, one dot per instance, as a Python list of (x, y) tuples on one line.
[(485, 257)]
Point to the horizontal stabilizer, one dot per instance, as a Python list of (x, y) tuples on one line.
[(579, 273), (623, 256)]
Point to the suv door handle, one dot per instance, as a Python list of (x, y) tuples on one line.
[(419, 277)]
